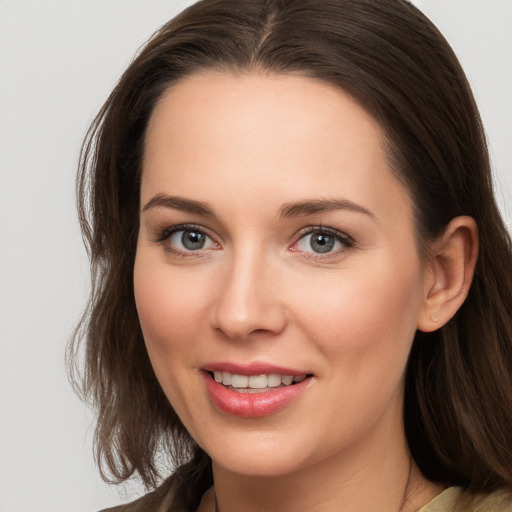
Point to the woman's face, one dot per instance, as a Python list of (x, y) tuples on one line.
[(275, 244)]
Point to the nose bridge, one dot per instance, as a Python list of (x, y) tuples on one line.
[(248, 301)]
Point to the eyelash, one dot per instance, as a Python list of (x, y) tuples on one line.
[(345, 240), (165, 235)]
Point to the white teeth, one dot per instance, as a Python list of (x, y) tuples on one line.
[(255, 383), (258, 381), (239, 381), (273, 380)]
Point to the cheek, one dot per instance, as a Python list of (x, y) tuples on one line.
[(169, 308), (364, 313), (170, 311)]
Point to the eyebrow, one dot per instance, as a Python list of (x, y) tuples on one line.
[(288, 210), (179, 203), (303, 208)]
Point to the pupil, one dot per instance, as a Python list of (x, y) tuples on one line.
[(193, 240), (320, 242)]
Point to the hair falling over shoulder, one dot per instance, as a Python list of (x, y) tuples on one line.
[(394, 62)]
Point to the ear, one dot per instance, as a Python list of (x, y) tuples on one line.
[(449, 273)]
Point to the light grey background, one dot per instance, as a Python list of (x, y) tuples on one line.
[(58, 62)]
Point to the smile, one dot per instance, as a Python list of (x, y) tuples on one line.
[(253, 392), (255, 383)]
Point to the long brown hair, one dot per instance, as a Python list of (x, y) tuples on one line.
[(395, 63)]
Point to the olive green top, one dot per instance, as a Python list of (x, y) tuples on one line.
[(447, 501)]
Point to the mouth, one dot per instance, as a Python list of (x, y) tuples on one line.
[(261, 383), (255, 390)]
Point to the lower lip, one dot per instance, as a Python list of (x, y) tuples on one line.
[(253, 405)]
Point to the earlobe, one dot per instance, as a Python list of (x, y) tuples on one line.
[(449, 278)]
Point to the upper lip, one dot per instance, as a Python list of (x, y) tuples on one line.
[(255, 368)]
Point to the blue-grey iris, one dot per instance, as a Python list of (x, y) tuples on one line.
[(321, 242), (193, 240)]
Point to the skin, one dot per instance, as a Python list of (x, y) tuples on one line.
[(249, 145)]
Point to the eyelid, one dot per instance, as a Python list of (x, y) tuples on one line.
[(163, 237), (346, 240), (163, 234)]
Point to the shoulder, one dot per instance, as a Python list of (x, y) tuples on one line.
[(498, 501), (454, 499), (159, 500)]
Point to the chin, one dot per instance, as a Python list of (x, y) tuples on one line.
[(258, 455), (256, 465)]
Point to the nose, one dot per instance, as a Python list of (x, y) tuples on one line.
[(249, 299)]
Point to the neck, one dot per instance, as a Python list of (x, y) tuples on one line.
[(383, 478)]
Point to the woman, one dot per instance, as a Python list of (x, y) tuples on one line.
[(302, 282)]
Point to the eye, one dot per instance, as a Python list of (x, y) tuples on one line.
[(190, 240), (186, 239), (323, 241)]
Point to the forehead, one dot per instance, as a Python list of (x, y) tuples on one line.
[(288, 105), (281, 135)]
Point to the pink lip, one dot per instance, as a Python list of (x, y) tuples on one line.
[(252, 405), (251, 369)]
